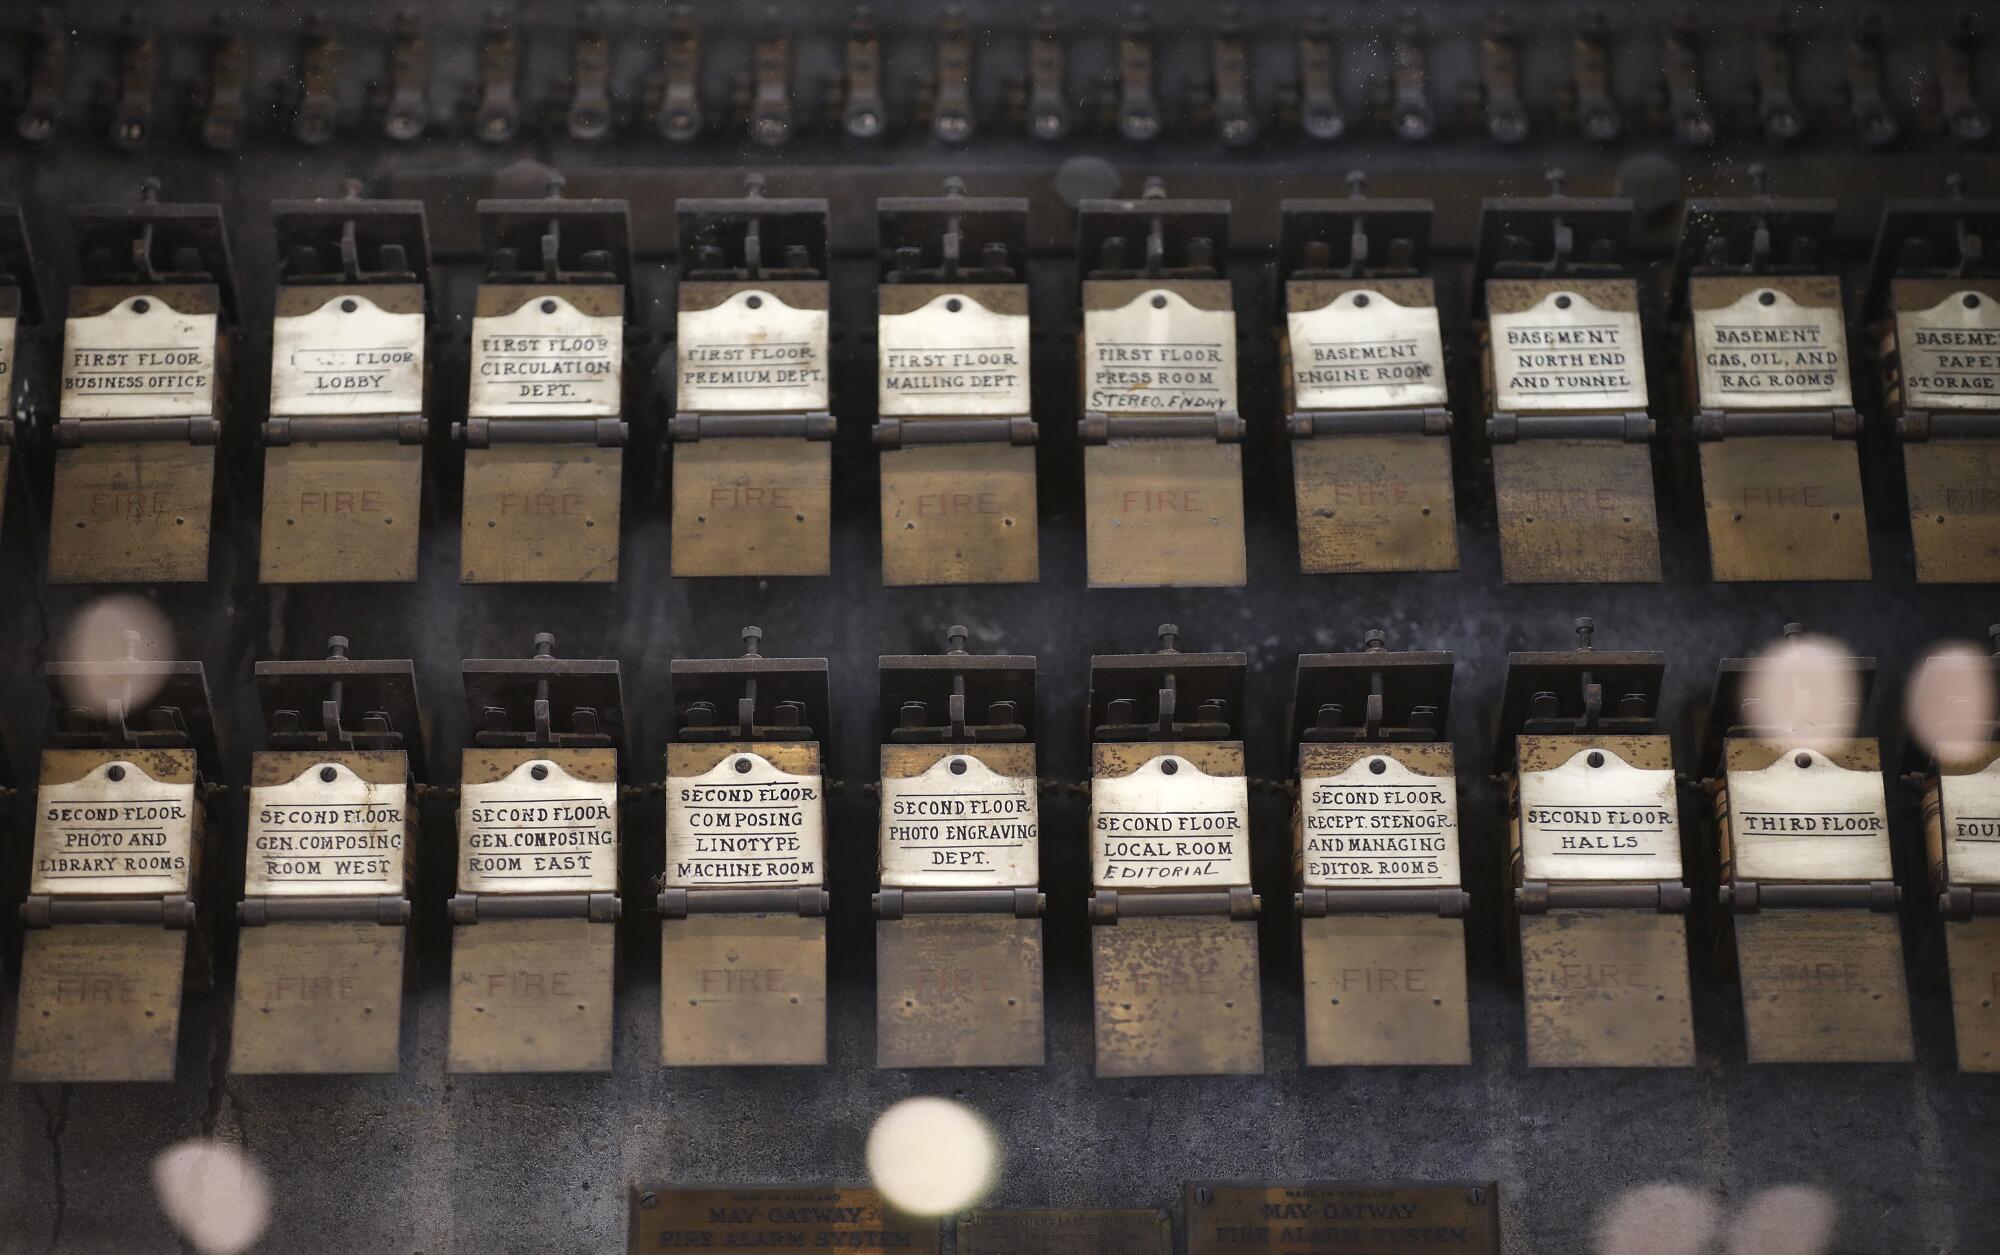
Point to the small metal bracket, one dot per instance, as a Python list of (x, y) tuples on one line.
[(1321, 903), (352, 240), (1142, 697), (1354, 237), (155, 243), (1743, 897), (956, 697), (474, 908), (1177, 239), (1825, 697), (752, 237), (1371, 696), (174, 714), (1108, 906), (808, 903), (554, 240), (390, 910), (901, 903), (340, 703), (1551, 237), (521, 702), (1578, 692), (751, 697)]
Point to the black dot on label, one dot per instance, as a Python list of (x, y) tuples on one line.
[(548, 307), (1170, 767), (754, 302), (1159, 302), (1596, 759), (1972, 300), (115, 773), (743, 766), (1361, 300), (1562, 302), (1377, 766), (958, 766), (348, 306), (1802, 761), (539, 771), (141, 305), (328, 774), (1767, 298), (954, 305)]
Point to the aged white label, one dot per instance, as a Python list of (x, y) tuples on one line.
[(953, 356), (960, 824), (1597, 817), (752, 353), (325, 833), (538, 830), (1565, 353), (115, 831), (1970, 812), (1950, 353), (1764, 350), (1376, 822), (1159, 354), (349, 356), (547, 359), (1169, 825), (744, 822), (1366, 352), (139, 359), (1805, 817), (8, 326)]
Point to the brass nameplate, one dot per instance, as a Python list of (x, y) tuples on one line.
[(9, 329), (1947, 344), (538, 513), (1177, 995), (960, 817), (347, 352), (116, 823), (1972, 951), (1385, 990), (752, 506), (136, 512), (555, 352), (1162, 822), (1763, 343), (1065, 1231), (531, 995), (1343, 1218), (743, 989), (756, 349), (317, 997), (99, 1002), (953, 351), (1824, 987), (672, 1218), (1158, 348), (327, 827), (1954, 488), (1598, 810), (1375, 503), (1354, 346), (1565, 346), (748, 815), (959, 514), (1607, 989), (1784, 508), (150, 354), (1798, 814), (543, 822), (958, 991), (1576, 511), (345, 512), (1379, 816), (1164, 514)]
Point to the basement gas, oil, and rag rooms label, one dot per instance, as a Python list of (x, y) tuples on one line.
[(745, 822)]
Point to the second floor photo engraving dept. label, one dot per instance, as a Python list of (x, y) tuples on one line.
[(1169, 825), (1377, 823), (1770, 345), (141, 358), (752, 352), (960, 824), (1158, 353), (327, 832), (1598, 817), (1363, 351), (538, 829), (1575, 347), (348, 356), (954, 356), (1950, 353), (746, 823), (1804, 817), (115, 830), (545, 357)]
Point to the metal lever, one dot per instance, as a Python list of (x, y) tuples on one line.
[(404, 112), (771, 92), (1867, 102), (1411, 114), (1235, 119), (1687, 107), (497, 113), (951, 107), (1500, 81), (1777, 107), (678, 117), (1049, 116), (1319, 101), (316, 118), (48, 70), (138, 75), (1138, 110), (219, 108), (589, 114), (1597, 115), (1968, 120), (865, 113)]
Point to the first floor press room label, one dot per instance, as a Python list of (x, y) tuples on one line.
[(1376, 822), (538, 830), (745, 822), (1169, 825), (959, 824), (1159, 354), (115, 831), (1597, 817), (326, 832), (1567, 353), (1806, 817)]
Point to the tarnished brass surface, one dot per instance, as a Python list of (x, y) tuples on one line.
[(743, 989), (1576, 511), (774, 1217), (1375, 503), (1065, 1231), (317, 997), (756, 506), (1343, 1218), (1385, 989), (958, 991), (532, 995), (1177, 996), (99, 1002), (132, 513), (1607, 989), (1972, 949), (1954, 509), (1164, 514), (1823, 987), (541, 514), (341, 513), (1784, 508), (959, 514)]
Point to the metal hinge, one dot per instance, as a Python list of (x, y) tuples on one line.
[(1108, 906)]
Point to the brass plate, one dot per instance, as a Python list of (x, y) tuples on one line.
[(132, 513), (1607, 989), (1823, 987), (541, 514), (775, 1218), (958, 991), (743, 989), (1954, 509), (317, 997), (959, 514), (1164, 514), (531, 995), (1385, 989), (1576, 511), (341, 513), (1343, 1218), (99, 1002), (1375, 503), (1972, 948), (1066, 1231), (752, 507), (1784, 508), (1177, 995)]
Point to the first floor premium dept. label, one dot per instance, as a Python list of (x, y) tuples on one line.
[(326, 832), (960, 824), (1597, 817), (347, 357), (546, 359), (1768, 350), (139, 359), (1169, 825), (1969, 806), (773, 1218), (1159, 354), (1363, 351), (953, 356), (1950, 353), (1378, 823), (1344, 1218), (744, 822), (538, 830), (752, 353), (1564, 352), (1806, 817), (116, 830)]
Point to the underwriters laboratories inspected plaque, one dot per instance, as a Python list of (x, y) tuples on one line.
[(1343, 1218), (791, 1218)]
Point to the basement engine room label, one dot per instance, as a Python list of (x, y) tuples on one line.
[(114, 831), (1766, 350), (1378, 823), (348, 357), (1363, 352), (1805, 817), (1159, 354), (1169, 825), (960, 824), (1566, 353), (1950, 353), (139, 359), (327, 833), (538, 830), (1969, 806), (1597, 817), (547, 359), (752, 353), (745, 823), (953, 357)]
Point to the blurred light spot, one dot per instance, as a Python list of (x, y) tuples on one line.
[(215, 1195), (110, 628), (1804, 683), (1951, 698), (1783, 1220), (1657, 1220), (930, 1156)]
